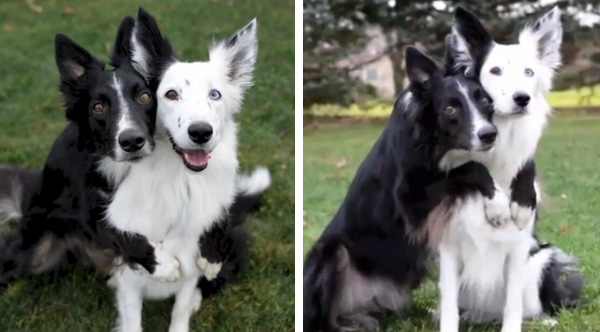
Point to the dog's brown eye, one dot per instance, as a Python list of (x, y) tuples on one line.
[(98, 108), (486, 102), (144, 97), (171, 94), (449, 110), (496, 71)]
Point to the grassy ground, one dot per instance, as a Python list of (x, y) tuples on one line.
[(568, 161), (31, 117), (567, 99)]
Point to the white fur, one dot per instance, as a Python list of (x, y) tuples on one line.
[(489, 266), (514, 59), (478, 121), (124, 121), (254, 183), (158, 197)]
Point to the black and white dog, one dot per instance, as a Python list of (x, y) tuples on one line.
[(376, 248), (62, 210), (187, 185), (499, 270)]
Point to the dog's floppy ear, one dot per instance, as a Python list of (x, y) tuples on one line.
[(122, 52), (72, 60), (544, 36), (149, 50), (237, 55), (420, 68), (468, 43)]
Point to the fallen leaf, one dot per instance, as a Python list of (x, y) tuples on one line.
[(36, 8), (342, 162), (565, 229), (8, 27), (68, 10)]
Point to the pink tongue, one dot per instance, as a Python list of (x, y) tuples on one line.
[(196, 157)]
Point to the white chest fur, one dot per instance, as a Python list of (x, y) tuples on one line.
[(164, 201)]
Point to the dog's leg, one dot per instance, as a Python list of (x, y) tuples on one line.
[(187, 302), (515, 286), (449, 285), (129, 304), (524, 197), (214, 247), (497, 208)]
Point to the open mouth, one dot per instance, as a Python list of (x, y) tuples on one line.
[(195, 160)]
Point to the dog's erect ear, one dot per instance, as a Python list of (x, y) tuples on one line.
[(72, 60), (237, 55), (544, 36), (419, 67), (149, 50), (467, 44), (122, 52)]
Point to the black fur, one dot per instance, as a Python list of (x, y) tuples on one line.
[(395, 188), (64, 204), (522, 187)]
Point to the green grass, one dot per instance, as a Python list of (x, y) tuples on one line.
[(567, 99), (568, 160), (31, 117)]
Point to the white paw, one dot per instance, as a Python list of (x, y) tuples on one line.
[(167, 266), (521, 215), (549, 322), (210, 270), (196, 301), (112, 282), (497, 209)]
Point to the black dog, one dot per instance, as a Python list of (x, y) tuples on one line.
[(375, 250)]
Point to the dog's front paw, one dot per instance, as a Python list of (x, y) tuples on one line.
[(210, 270), (167, 266), (521, 215), (497, 210)]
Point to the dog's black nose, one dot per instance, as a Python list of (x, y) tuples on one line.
[(131, 140), (200, 132), (487, 135), (521, 99)]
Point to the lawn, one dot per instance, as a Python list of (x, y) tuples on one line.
[(31, 117), (568, 160), (571, 99)]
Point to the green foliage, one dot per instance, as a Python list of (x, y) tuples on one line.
[(568, 164), (31, 117)]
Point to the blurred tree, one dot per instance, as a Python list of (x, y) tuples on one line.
[(335, 29)]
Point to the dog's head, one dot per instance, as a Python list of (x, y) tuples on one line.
[(515, 75), (114, 109), (197, 100), (454, 111)]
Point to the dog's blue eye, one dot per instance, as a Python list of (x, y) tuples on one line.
[(528, 72), (214, 95)]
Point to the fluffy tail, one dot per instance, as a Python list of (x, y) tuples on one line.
[(235, 249), (561, 280), (16, 187), (250, 189)]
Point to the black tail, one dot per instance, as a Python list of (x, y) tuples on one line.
[(16, 187), (227, 242), (322, 280), (561, 282)]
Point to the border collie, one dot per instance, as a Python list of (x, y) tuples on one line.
[(187, 184), (498, 269), (111, 115), (375, 250)]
